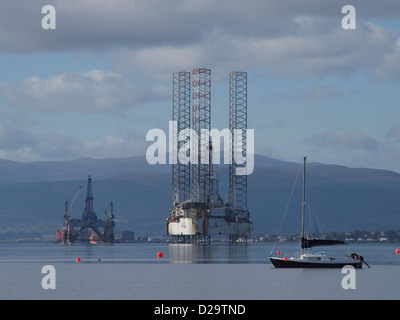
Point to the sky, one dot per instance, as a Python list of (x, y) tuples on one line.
[(98, 82)]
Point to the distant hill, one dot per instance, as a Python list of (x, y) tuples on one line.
[(32, 195), (42, 171), (12, 171)]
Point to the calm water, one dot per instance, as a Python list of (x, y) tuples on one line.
[(217, 271)]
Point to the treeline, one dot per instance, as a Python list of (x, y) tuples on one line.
[(349, 236)]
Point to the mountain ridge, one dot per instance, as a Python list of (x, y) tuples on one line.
[(108, 168), (33, 194)]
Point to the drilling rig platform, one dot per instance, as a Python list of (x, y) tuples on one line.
[(79, 229), (198, 212)]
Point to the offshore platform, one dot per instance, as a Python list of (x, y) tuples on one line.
[(79, 229), (198, 212)]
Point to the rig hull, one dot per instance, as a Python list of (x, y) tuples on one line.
[(194, 221), (208, 226)]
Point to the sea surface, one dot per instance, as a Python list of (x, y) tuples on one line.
[(188, 272)]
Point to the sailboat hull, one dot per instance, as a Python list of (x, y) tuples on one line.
[(319, 260), (301, 263)]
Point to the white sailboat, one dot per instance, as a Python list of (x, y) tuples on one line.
[(314, 260)]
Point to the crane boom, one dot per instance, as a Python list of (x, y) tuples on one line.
[(74, 200)]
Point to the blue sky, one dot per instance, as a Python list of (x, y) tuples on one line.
[(96, 84)]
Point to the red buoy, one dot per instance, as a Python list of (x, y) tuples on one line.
[(160, 255), (285, 258), (278, 252), (397, 251), (78, 260)]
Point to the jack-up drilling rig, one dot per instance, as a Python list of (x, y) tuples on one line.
[(78, 229), (198, 211)]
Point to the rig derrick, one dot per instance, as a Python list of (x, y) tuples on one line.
[(80, 229), (198, 212)]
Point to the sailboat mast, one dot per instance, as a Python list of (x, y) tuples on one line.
[(303, 205)]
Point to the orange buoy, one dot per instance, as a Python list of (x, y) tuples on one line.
[(160, 254), (78, 260)]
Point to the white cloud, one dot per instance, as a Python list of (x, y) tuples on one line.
[(21, 145), (389, 68), (82, 92), (300, 55), (283, 37), (319, 93), (355, 149), (343, 140)]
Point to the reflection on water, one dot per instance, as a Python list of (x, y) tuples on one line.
[(192, 253), (215, 253)]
